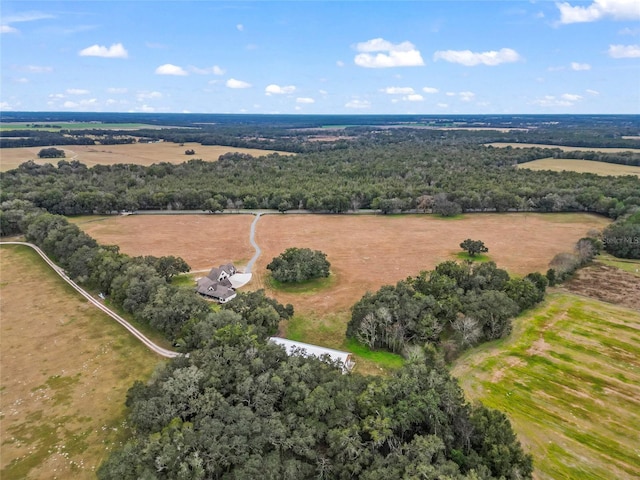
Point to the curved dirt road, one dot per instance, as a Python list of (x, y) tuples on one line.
[(136, 333), (252, 239)]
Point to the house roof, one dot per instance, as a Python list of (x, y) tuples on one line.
[(215, 272), (308, 350), (214, 289)]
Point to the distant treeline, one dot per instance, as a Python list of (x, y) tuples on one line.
[(43, 138), (306, 133), (389, 177)]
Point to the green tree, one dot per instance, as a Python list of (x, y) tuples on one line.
[(51, 153), (474, 247), (622, 239), (298, 265)]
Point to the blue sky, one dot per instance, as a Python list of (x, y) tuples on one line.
[(326, 57)]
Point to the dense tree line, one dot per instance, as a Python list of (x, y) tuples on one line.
[(622, 238), (41, 138), (469, 302), (239, 408), (405, 176)]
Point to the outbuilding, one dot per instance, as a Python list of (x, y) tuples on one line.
[(308, 350)]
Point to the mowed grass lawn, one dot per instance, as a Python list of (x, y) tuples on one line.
[(568, 377), (65, 369)]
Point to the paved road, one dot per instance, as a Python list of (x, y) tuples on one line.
[(135, 332)]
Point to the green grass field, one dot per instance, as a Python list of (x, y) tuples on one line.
[(480, 258), (568, 377), (312, 286), (631, 266)]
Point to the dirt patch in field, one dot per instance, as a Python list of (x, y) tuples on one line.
[(136, 153), (606, 283), (539, 347), (65, 369), (365, 251)]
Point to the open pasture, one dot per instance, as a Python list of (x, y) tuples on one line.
[(136, 153), (581, 166), (568, 378), (562, 147), (65, 371), (365, 251)]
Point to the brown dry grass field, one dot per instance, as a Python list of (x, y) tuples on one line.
[(65, 369), (581, 166), (137, 153), (563, 148), (365, 251)]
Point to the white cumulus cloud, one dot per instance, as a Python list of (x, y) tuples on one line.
[(148, 95), (8, 29), (170, 69), (564, 100), (466, 96), (430, 90), (116, 50), (616, 9), (233, 83), (358, 104), (215, 70), (414, 97), (77, 91), (580, 66), (398, 90), (389, 54), (117, 90), (274, 89), (36, 69), (624, 51), (471, 59), (305, 100)]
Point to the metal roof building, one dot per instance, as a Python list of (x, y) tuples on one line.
[(308, 350)]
